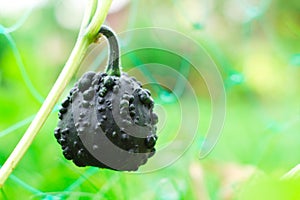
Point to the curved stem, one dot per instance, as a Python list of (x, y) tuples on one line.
[(84, 39), (113, 67)]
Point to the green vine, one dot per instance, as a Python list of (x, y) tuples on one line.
[(94, 17)]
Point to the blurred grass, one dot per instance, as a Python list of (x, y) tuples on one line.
[(257, 54)]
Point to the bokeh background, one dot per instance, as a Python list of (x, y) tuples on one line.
[(255, 45)]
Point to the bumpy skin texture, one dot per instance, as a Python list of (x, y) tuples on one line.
[(107, 122)]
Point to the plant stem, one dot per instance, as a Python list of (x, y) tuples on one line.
[(113, 67), (93, 18), (89, 13)]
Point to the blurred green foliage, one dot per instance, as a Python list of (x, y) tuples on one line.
[(255, 45)]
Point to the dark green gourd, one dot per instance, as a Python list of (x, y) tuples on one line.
[(107, 120)]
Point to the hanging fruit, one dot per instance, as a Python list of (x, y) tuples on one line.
[(107, 120)]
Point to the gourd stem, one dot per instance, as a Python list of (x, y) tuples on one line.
[(113, 66)]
